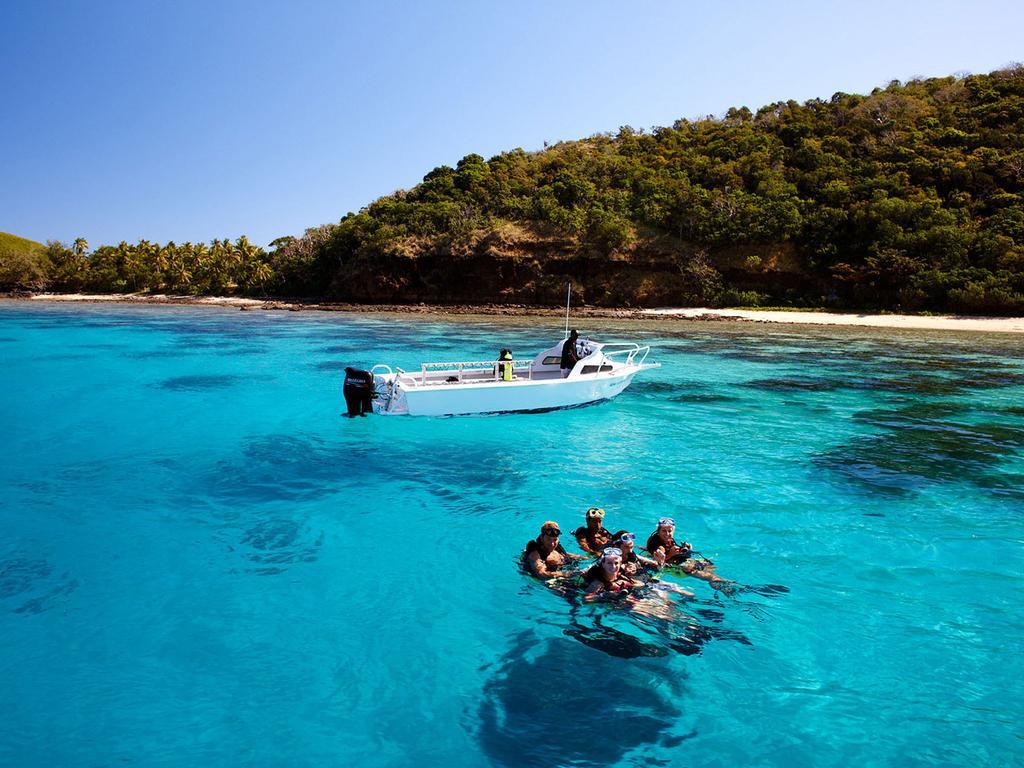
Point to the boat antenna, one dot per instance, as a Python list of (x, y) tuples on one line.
[(568, 294)]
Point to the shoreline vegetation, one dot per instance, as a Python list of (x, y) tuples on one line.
[(691, 314), (908, 199)]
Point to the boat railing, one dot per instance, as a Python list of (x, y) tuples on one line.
[(634, 353), (404, 376), (458, 369)]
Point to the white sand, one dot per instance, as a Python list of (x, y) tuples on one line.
[(154, 298), (917, 322)]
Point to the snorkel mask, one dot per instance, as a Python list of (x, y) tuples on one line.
[(610, 552), (595, 513)]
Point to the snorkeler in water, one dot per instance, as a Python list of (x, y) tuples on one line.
[(544, 556), (593, 537), (605, 578), (640, 568), (663, 547), (634, 564)]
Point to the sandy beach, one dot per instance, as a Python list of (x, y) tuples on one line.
[(692, 314), (909, 322)]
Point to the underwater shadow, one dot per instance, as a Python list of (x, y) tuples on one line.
[(32, 586), (922, 445), (547, 703), (197, 383), (273, 545)]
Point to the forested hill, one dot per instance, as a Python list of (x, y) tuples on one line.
[(21, 260), (910, 197)]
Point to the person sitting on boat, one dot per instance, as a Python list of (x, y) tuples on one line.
[(358, 391), (545, 556), (593, 537), (662, 546), (505, 369), (569, 354), (605, 578)]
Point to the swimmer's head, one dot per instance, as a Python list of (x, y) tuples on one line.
[(550, 528), (611, 558), (624, 539)]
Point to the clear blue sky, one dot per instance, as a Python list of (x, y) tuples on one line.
[(190, 120)]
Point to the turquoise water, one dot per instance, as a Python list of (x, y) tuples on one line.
[(203, 564)]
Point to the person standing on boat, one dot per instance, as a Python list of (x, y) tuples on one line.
[(505, 368), (593, 537), (569, 354), (545, 556)]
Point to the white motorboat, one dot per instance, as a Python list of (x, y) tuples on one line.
[(467, 387)]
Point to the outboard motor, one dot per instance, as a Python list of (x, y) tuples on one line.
[(358, 391)]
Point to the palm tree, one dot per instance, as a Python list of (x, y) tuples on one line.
[(217, 266), (161, 260), (141, 265), (259, 274), (178, 274), (247, 256), (122, 265)]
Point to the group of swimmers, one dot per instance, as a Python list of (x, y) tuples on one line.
[(618, 567)]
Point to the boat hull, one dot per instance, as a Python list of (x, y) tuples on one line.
[(504, 397)]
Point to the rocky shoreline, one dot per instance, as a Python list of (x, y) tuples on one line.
[(299, 305), (693, 314)]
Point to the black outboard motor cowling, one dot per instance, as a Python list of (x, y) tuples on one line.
[(358, 391)]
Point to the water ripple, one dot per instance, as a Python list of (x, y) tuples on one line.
[(198, 383), (31, 586), (272, 545)]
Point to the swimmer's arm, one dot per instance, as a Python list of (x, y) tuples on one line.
[(539, 567), (594, 589), (684, 592), (584, 546), (703, 573)]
